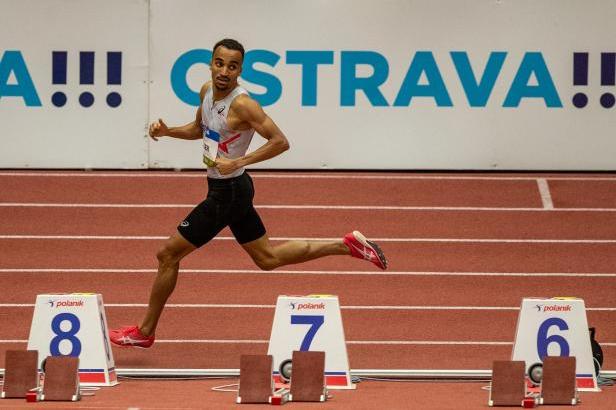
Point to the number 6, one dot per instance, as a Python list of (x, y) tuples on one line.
[(543, 341)]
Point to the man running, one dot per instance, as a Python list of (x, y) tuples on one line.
[(229, 117)]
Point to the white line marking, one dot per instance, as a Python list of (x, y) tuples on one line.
[(544, 191), (71, 205), (325, 207), (349, 307), (89, 237), (281, 175), (223, 341), (349, 342), (312, 272), (425, 342), (292, 238)]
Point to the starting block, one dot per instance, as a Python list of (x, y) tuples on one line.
[(256, 383), (508, 387), (20, 373), (308, 377), (61, 380), (307, 381), (558, 383)]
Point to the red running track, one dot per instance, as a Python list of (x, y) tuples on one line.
[(463, 250)]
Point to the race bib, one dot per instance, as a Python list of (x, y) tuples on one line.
[(210, 147)]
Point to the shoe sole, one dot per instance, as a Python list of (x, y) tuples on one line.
[(379, 253), (127, 346)]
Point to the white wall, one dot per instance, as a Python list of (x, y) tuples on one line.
[(536, 39), (73, 136)]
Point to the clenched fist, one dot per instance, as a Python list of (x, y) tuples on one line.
[(158, 129)]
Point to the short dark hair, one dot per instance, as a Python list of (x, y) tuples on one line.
[(230, 44)]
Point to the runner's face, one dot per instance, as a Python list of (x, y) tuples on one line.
[(226, 67)]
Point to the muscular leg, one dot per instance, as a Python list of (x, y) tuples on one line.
[(268, 257), (169, 258)]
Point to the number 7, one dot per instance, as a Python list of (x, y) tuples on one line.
[(315, 323)]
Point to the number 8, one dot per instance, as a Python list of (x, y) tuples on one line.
[(54, 347)]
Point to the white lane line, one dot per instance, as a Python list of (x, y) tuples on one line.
[(77, 205), (312, 272), (295, 238), (426, 342), (92, 237), (325, 207), (544, 191), (351, 342), (348, 342), (348, 307), (281, 175)]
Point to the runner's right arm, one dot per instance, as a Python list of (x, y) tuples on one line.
[(190, 131)]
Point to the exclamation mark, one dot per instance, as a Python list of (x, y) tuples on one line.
[(86, 76), (608, 77), (58, 76), (580, 77), (114, 76)]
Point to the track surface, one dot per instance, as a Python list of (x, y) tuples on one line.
[(463, 250)]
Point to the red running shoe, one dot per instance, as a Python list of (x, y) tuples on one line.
[(130, 336), (364, 249)]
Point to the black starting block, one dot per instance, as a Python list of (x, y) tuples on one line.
[(20, 373), (508, 387), (308, 377), (558, 385)]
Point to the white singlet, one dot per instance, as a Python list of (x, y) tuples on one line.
[(231, 144)]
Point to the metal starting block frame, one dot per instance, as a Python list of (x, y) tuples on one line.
[(558, 383), (21, 373)]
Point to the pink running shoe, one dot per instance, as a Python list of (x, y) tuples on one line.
[(364, 249), (130, 336)]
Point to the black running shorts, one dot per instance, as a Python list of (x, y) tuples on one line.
[(228, 203)]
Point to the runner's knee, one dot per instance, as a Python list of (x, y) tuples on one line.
[(267, 263), (168, 255)]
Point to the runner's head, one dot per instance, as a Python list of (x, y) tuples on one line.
[(226, 65)]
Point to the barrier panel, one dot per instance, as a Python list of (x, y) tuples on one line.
[(511, 85)]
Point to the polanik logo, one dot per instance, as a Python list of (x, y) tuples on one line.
[(307, 306), (553, 308), (65, 303)]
